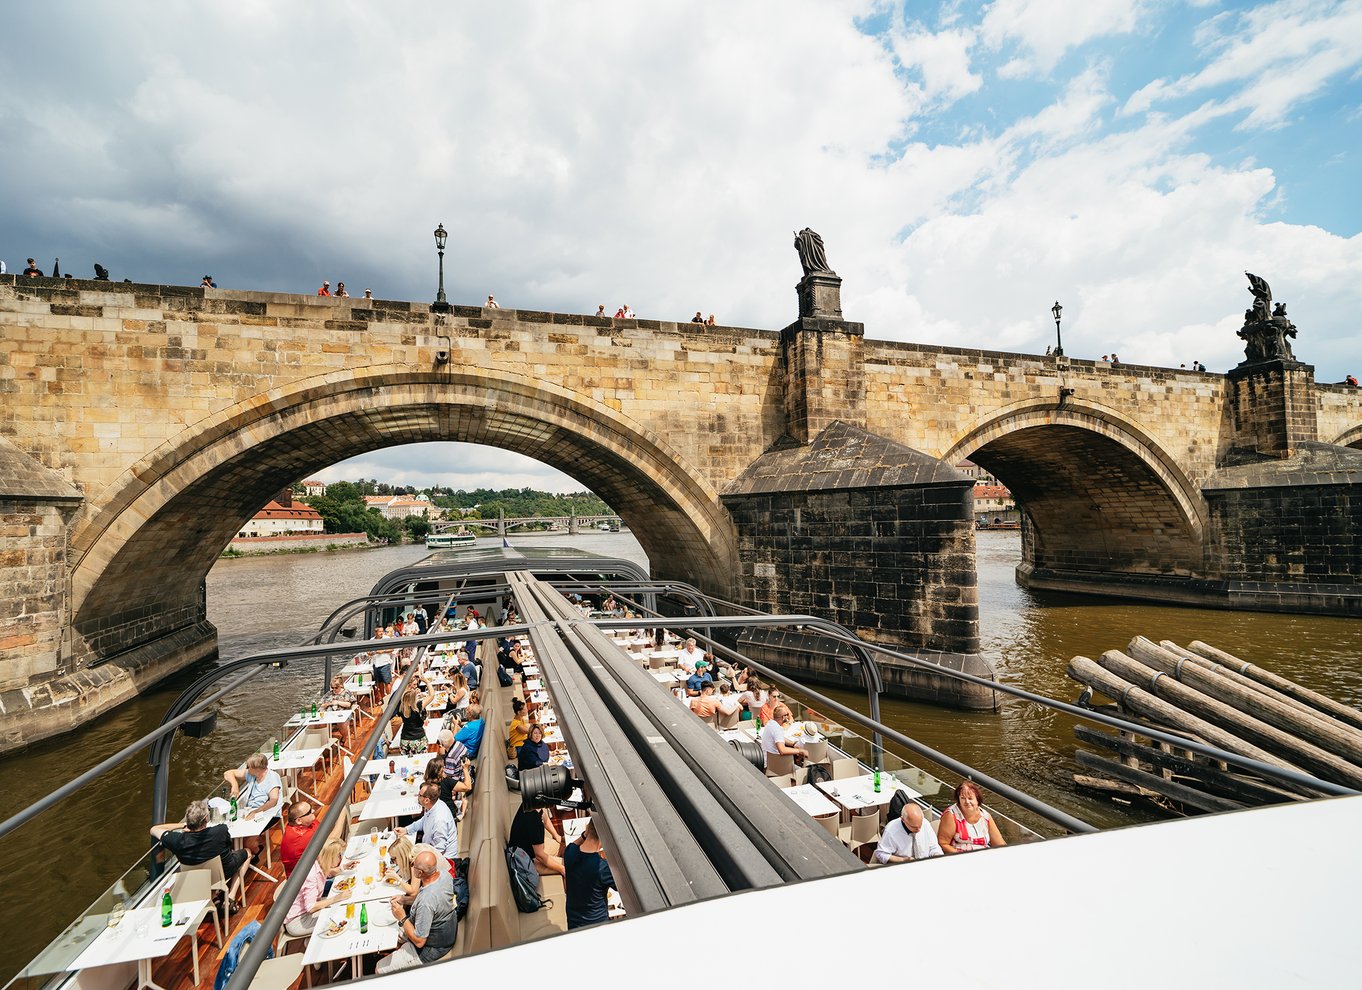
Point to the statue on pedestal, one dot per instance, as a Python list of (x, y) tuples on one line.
[(1266, 328), (812, 256)]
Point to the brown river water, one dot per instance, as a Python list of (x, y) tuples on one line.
[(66, 858)]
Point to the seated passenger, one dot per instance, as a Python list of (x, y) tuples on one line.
[(302, 914), (528, 829), (194, 841), (699, 679), (257, 789), (773, 735), (298, 831), (533, 752), (586, 878), (428, 931), (436, 824), (754, 698), (728, 703), (965, 826), (689, 656), (907, 838), (707, 703), (471, 733), (519, 729)]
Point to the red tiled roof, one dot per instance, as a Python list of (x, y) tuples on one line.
[(273, 510), (991, 491)]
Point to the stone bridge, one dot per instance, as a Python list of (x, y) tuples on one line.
[(504, 524), (804, 469)]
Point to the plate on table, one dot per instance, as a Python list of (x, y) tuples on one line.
[(344, 884), (335, 928), (349, 864), (393, 880), (383, 917)]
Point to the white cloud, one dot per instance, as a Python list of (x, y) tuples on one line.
[(1046, 30), (941, 58), (1279, 55)]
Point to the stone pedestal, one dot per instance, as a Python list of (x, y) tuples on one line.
[(820, 296), (1272, 408)]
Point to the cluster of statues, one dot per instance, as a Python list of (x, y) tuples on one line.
[(1267, 329)]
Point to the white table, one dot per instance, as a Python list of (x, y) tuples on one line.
[(401, 765), (531, 669), (332, 716), (668, 677), (553, 735), (744, 732), (539, 697), (358, 667), (350, 944), (244, 828), (290, 762), (812, 800), (387, 800), (140, 938), (534, 684), (859, 792)]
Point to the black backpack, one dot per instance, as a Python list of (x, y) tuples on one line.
[(460, 888), (524, 881)]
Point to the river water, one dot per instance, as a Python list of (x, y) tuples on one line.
[(265, 603)]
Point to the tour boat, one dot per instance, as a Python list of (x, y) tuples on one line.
[(446, 541), (703, 843)]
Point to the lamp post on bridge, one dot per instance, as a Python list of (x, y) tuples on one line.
[(1056, 309), (441, 237)]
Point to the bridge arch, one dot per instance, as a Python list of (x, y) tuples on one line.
[(1098, 494), (141, 548), (1350, 438)]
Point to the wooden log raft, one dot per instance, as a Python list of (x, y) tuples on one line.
[(1327, 734), (1142, 702), (1314, 699), (1283, 744)]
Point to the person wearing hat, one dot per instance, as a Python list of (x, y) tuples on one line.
[(696, 682), (208, 283)]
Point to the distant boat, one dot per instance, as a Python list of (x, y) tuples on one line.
[(444, 541)]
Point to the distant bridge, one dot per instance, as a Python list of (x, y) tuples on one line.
[(502, 526)]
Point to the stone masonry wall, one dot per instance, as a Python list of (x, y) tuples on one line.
[(32, 590), (894, 565)]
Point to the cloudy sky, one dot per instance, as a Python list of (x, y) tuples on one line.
[(966, 163)]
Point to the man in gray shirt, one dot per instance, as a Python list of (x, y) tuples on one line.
[(429, 929)]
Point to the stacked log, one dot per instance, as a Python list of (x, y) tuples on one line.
[(1209, 696)]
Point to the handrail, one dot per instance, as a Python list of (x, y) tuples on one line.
[(103, 767)]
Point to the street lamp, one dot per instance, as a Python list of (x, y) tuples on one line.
[(441, 236), (1056, 309)]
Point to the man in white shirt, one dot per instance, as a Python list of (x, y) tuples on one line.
[(775, 739), (689, 656), (906, 838)]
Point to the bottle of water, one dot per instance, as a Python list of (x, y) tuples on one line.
[(234, 812), (314, 709), (276, 749), (877, 782), (167, 909)]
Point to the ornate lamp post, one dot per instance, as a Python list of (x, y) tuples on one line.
[(441, 236), (1056, 309)]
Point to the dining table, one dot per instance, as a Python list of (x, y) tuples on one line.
[(141, 938), (854, 793), (393, 796), (812, 800), (350, 943)]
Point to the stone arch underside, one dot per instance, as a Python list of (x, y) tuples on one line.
[(146, 546), (1350, 438), (1096, 497)]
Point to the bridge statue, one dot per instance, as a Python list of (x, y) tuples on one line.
[(1266, 329), (812, 255)]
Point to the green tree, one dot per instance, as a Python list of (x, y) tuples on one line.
[(344, 491), (416, 527)]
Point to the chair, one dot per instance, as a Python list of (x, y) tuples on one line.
[(831, 822), (217, 880), (778, 764), (864, 827), (729, 720), (196, 885), (818, 751), (283, 938), (279, 973), (843, 768), (656, 663)]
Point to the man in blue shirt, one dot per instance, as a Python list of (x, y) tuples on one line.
[(696, 681), (471, 733), (436, 826)]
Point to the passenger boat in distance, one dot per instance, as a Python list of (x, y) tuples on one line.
[(686, 817), (448, 541)]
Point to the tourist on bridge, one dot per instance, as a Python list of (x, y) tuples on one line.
[(697, 318), (194, 841), (208, 283), (965, 826), (492, 303), (325, 290), (710, 322), (600, 311), (368, 293), (33, 271), (907, 838), (340, 291)]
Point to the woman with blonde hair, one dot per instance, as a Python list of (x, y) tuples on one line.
[(302, 914), (458, 692), (412, 711), (402, 851)]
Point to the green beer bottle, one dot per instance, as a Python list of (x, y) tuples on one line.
[(877, 782), (234, 809), (363, 919), (167, 909)]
